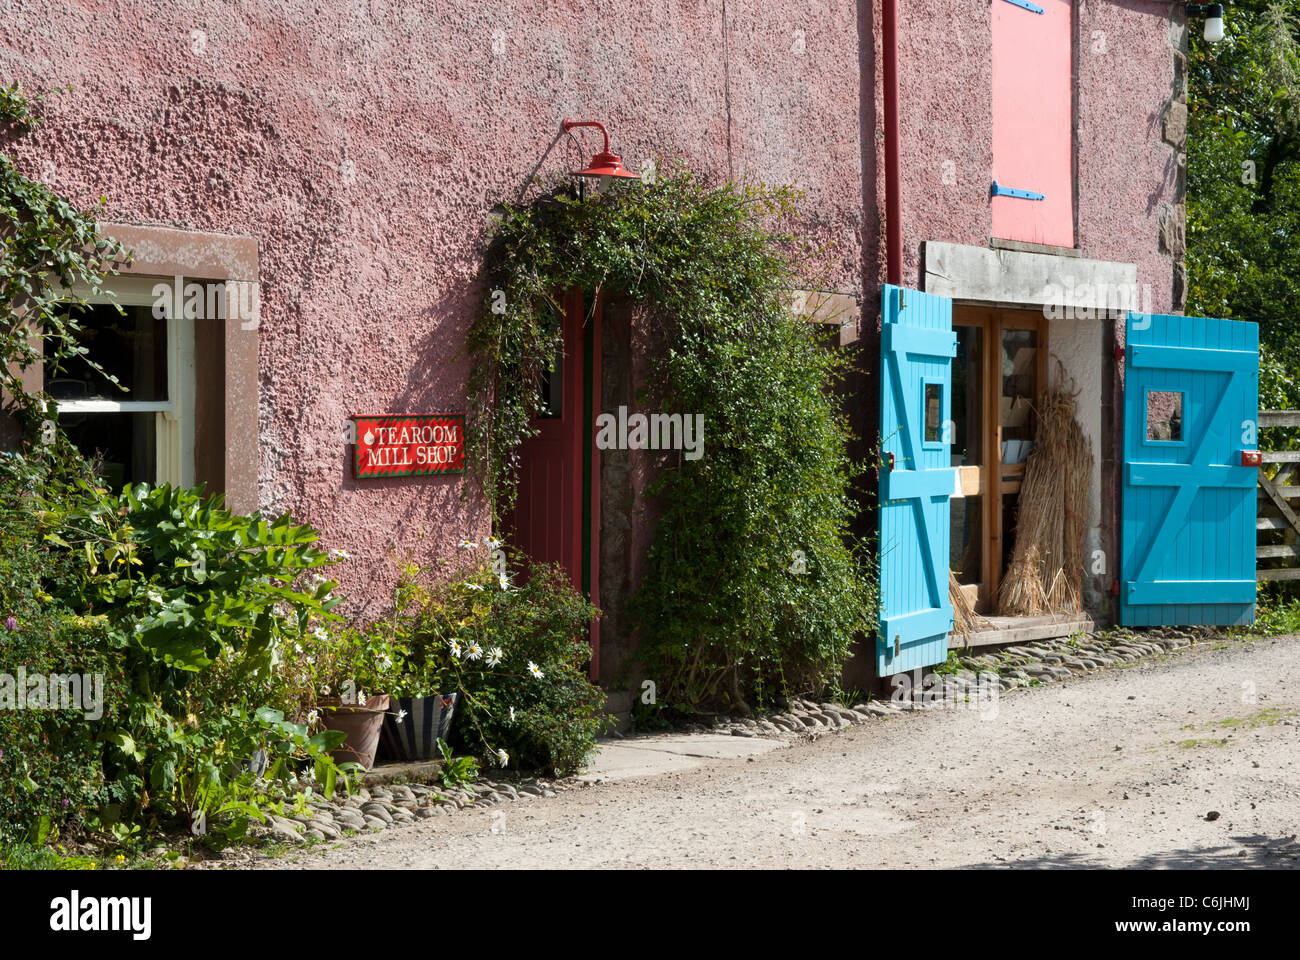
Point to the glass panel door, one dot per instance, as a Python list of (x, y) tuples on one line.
[(1021, 368), (997, 375)]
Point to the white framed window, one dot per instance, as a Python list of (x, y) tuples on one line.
[(145, 433)]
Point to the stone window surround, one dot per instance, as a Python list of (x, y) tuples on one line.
[(226, 445)]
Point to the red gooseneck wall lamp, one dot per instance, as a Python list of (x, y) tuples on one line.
[(605, 167)]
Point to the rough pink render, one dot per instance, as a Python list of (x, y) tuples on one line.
[(364, 144)]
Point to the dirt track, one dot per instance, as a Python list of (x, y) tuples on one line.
[(1114, 769)]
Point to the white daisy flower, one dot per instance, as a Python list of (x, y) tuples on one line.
[(535, 670), (504, 581), (325, 689), (469, 544), (455, 649), (473, 652), (312, 717), (492, 543), (474, 586), (502, 757), (361, 698), (321, 634), (340, 554), (401, 715), (494, 656)]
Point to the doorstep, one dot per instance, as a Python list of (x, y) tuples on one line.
[(1002, 630), (419, 771)]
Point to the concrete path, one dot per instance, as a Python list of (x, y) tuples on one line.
[(1189, 761), (663, 753)]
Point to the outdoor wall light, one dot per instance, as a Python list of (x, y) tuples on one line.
[(1213, 13), (605, 167)]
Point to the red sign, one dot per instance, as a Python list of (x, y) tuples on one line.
[(408, 445)]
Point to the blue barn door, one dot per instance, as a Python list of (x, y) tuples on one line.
[(1191, 408), (916, 479)]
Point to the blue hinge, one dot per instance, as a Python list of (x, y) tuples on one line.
[(1031, 7), (997, 190)]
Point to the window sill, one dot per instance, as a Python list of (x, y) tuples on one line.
[(1024, 246)]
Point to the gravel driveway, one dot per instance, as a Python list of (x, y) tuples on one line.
[(1126, 767)]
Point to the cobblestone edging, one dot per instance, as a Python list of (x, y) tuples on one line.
[(1012, 667), (375, 808), (396, 805)]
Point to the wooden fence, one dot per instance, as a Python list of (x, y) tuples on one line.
[(1277, 515)]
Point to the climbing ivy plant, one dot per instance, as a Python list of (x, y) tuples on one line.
[(47, 246), (752, 583)]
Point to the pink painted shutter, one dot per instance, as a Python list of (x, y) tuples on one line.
[(1032, 120)]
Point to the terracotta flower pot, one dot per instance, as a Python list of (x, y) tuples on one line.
[(416, 735), (361, 724)]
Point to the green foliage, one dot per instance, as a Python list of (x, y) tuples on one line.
[(1243, 187), (185, 582), (516, 654), (951, 666), (47, 247), (50, 772), (29, 856), (456, 771), (1243, 206), (722, 609), (345, 665), (1277, 611)]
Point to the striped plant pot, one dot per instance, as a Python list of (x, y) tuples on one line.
[(416, 735)]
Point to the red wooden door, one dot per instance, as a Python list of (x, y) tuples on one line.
[(557, 515)]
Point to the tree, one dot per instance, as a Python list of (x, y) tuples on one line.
[(1243, 184)]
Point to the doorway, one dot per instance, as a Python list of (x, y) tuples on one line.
[(556, 517), (998, 372)]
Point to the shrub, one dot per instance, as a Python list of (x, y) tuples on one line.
[(192, 606), (50, 769), (518, 655), (752, 581)]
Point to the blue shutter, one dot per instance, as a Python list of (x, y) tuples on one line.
[(917, 479), (1188, 529)]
